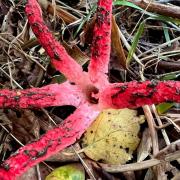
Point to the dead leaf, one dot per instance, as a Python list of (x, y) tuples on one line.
[(84, 4), (66, 155), (176, 177), (113, 137), (98, 172), (25, 125), (30, 174), (145, 146), (87, 34), (149, 175), (5, 139), (116, 45), (61, 13), (76, 53), (129, 175)]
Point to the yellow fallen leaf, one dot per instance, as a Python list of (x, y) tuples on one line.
[(113, 136)]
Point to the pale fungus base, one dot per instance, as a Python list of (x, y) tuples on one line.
[(113, 136)]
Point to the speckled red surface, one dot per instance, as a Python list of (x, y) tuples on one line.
[(89, 93)]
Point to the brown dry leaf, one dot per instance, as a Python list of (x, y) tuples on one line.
[(87, 34), (116, 45), (4, 9), (76, 53), (7, 25), (35, 76), (25, 125), (129, 175), (67, 155), (45, 123), (177, 176), (113, 137), (84, 4), (171, 168), (98, 172), (30, 174), (44, 170), (145, 146), (61, 13), (4, 136), (149, 175)]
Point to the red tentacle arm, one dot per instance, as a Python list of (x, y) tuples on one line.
[(50, 95), (53, 141), (135, 94), (101, 44), (58, 55)]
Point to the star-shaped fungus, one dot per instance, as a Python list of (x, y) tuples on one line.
[(89, 92)]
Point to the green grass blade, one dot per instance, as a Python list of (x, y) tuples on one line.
[(126, 3), (166, 33), (85, 19), (135, 42), (164, 107)]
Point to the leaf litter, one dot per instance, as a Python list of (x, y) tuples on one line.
[(126, 29)]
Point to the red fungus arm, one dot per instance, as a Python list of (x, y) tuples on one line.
[(58, 55), (53, 141), (50, 95), (101, 44), (135, 94)]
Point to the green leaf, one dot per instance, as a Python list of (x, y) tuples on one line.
[(135, 41), (58, 79), (125, 3), (85, 19), (67, 172), (170, 76), (163, 107), (166, 34), (162, 18)]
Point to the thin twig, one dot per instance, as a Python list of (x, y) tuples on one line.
[(140, 165), (88, 170), (173, 123), (166, 138), (128, 46), (160, 46)]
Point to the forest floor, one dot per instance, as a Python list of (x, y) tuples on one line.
[(145, 45)]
